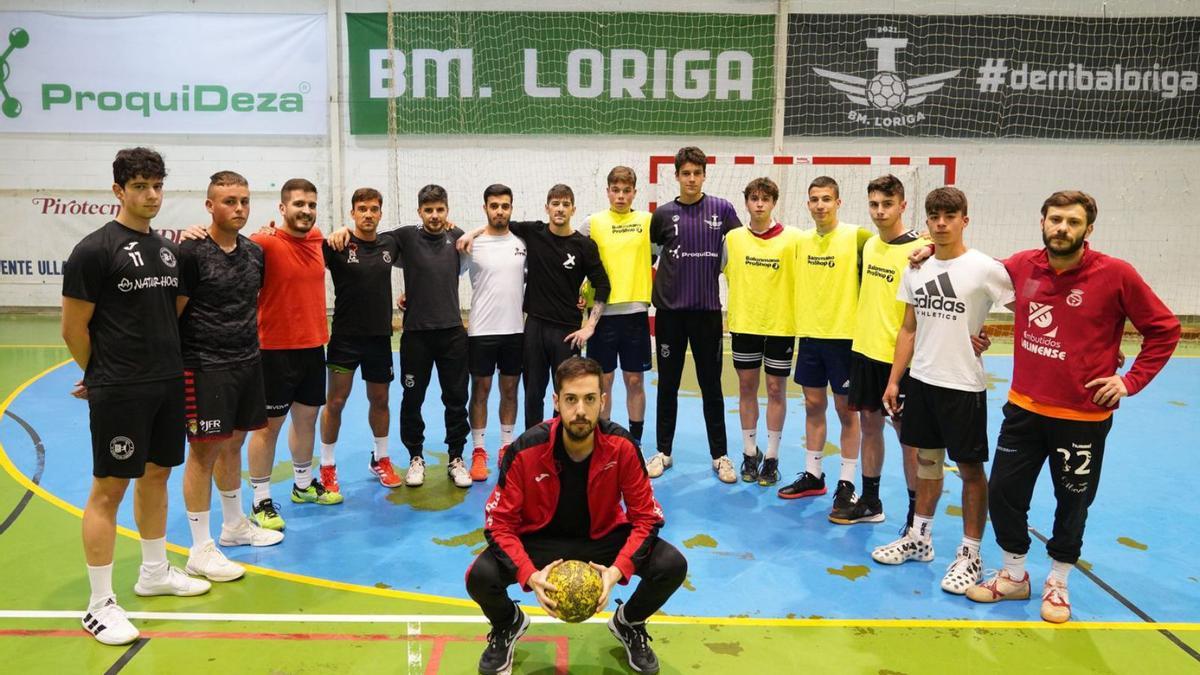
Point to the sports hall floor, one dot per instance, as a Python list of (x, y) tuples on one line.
[(376, 584)]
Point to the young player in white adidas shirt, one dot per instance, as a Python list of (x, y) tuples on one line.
[(945, 407)]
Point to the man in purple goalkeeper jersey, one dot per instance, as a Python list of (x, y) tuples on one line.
[(691, 232)]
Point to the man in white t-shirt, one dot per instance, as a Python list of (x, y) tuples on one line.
[(945, 393), (496, 325)]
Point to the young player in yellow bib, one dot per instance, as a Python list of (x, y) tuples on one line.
[(877, 322), (623, 332), (760, 266), (827, 279)]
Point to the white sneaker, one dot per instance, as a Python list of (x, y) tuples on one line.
[(1056, 602), (964, 572), (657, 464), (415, 477), (457, 471), (903, 550), (208, 561), (108, 624), (724, 469), (248, 534), (172, 581)]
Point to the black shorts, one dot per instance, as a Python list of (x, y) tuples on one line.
[(937, 417), (623, 337), (293, 376), (373, 352), (821, 362), (751, 351), (136, 423), (486, 353), (868, 380), (219, 402)]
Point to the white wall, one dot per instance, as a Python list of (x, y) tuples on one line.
[(1144, 189)]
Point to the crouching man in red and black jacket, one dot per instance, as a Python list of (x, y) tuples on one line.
[(573, 488)]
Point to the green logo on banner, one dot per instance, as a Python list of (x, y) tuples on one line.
[(562, 73), (18, 38)]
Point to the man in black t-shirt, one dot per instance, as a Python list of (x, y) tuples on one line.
[(360, 262), (220, 276), (559, 260), (120, 324)]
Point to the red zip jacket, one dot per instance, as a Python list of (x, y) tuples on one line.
[(1068, 327), (526, 495)]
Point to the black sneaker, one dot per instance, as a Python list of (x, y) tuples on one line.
[(865, 510), (807, 485), (750, 466), (636, 641), (768, 475), (501, 642), (843, 500)]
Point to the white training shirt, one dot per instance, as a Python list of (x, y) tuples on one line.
[(951, 299), (497, 269)]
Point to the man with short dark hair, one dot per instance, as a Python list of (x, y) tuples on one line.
[(120, 323), (945, 394), (573, 488), (360, 262), (220, 276), (1072, 303), (691, 231)]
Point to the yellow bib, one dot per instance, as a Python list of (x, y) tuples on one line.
[(879, 312), (624, 243), (762, 282), (827, 282)]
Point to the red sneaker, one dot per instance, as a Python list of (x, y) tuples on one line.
[(329, 478), (500, 456), (385, 473), (479, 468)]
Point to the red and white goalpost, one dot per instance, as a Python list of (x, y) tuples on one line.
[(729, 174)]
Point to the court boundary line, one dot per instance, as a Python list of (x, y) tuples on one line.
[(539, 615), (660, 620)]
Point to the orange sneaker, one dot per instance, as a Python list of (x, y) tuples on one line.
[(329, 478), (479, 468), (385, 473)]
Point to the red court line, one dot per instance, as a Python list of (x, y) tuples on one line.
[(561, 643)]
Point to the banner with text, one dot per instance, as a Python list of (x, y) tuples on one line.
[(993, 76), (562, 73), (163, 73)]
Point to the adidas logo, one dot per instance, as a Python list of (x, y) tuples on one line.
[(939, 294)]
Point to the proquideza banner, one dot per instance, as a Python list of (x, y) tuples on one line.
[(994, 77), (562, 73), (163, 73)]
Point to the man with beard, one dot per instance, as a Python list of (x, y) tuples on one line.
[(292, 332), (559, 497), (1072, 303)]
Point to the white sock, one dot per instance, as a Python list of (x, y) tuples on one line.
[(773, 439), (381, 449), (262, 488), (327, 454), (100, 579), (477, 437), (506, 433), (849, 469), (1014, 565), (1059, 571), (922, 528), (154, 554), (971, 544), (812, 463), (749, 444), (198, 523), (303, 474), (232, 515)]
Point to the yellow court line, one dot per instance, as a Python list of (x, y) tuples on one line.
[(20, 346), (8, 466)]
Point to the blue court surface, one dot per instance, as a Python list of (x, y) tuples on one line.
[(750, 553)]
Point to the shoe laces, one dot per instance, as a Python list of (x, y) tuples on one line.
[(268, 507)]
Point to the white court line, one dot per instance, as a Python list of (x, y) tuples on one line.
[(279, 618)]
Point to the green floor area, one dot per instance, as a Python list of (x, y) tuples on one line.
[(42, 552)]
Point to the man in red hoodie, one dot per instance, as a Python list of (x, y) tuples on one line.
[(1071, 306), (559, 497)]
